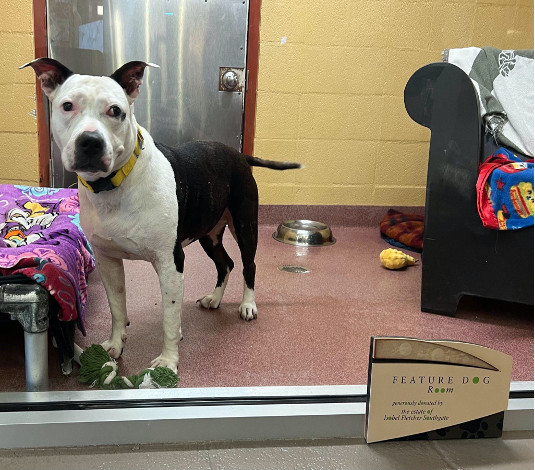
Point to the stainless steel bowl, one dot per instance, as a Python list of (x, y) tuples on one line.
[(304, 233)]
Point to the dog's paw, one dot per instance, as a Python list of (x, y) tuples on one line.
[(248, 311), (209, 301), (114, 347), (166, 360)]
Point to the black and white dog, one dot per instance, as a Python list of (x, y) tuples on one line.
[(144, 200)]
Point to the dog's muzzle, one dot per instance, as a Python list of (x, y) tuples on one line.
[(89, 149)]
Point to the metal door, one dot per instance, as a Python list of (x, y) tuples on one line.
[(200, 46)]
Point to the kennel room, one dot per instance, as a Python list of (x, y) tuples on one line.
[(223, 202)]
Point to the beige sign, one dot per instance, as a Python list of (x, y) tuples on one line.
[(417, 386)]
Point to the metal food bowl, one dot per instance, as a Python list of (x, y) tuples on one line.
[(304, 233)]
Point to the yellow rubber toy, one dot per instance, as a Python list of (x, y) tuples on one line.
[(395, 259)]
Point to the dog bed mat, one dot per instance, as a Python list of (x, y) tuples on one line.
[(403, 230), (41, 238)]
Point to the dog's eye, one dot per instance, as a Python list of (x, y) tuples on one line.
[(114, 111), (67, 106)]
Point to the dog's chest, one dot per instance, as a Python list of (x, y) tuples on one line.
[(119, 247), (131, 228), (114, 237)]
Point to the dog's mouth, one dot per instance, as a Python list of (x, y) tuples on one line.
[(90, 168)]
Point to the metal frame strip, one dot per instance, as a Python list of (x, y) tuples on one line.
[(268, 413)]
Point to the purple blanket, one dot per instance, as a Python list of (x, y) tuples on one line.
[(41, 237)]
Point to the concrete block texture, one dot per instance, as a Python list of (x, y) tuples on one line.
[(331, 93)]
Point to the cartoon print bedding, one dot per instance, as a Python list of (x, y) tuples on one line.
[(505, 191), (41, 238)]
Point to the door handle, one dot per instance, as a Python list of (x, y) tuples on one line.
[(231, 79)]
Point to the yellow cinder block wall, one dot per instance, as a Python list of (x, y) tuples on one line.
[(18, 123), (330, 91)]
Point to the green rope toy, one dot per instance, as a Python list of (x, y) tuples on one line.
[(99, 369)]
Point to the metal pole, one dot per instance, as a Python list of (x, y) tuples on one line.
[(36, 359)]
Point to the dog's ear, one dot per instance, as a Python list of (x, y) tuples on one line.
[(50, 72), (130, 76)]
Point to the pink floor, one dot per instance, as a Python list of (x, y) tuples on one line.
[(312, 329)]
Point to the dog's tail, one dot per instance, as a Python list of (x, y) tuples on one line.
[(255, 161)]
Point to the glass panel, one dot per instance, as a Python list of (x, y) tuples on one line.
[(321, 291)]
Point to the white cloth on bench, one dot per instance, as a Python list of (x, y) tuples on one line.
[(504, 84)]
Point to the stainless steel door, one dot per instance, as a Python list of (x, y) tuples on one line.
[(193, 41)]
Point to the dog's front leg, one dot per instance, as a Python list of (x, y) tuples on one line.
[(111, 271), (172, 287)]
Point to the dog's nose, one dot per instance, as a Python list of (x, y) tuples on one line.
[(89, 149), (90, 143)]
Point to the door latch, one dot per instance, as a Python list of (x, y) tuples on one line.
[(231, 79)]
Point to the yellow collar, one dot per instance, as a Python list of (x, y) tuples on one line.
[(114, 179)]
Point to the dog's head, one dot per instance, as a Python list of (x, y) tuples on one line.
[(92, 119)]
